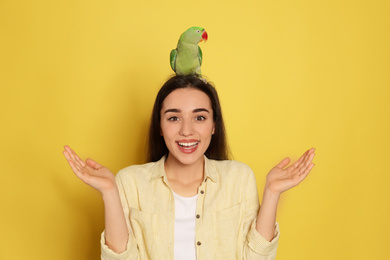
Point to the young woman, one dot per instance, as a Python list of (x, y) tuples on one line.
[(189, 201)]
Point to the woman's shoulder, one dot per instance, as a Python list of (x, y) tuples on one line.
[(137, 168), (143, 171), (227, 167), (233, 176), (230, 164)]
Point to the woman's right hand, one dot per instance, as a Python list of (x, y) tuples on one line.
[(90, 172), (102, 179)]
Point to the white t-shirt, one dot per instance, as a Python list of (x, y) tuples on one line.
[(185, 210)]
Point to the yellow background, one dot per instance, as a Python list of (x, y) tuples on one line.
[(290, 75)]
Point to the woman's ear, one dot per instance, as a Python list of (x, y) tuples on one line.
[(212, 132)]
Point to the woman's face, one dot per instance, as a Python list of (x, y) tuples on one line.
[(187, 125)]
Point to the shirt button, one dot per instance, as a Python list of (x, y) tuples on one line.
[(199, 243), (198, 216), (202, 191)]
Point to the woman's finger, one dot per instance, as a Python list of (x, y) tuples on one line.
[(66, 154), (299, 166), (306, 171), (71, 154), (70, 159), (77, 158), (307, 164), (283, 163), (304, 162), (92, 163), (81, 162), (74, 156), (73, 166), (300, 159), (304, 174)]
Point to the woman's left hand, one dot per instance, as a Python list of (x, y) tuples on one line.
[(280, 178)]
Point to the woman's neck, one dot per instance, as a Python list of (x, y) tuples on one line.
[(184, 179), (174, 169)]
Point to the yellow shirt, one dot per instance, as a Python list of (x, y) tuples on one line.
[(226, 212)]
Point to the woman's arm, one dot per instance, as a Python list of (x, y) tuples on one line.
[(114, 220), (280, 179), (103, 180)]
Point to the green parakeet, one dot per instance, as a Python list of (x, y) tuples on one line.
[(187, 57)]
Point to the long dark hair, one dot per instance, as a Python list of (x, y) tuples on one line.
[(218, 148)]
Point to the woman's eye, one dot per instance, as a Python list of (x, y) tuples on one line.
[(200, 118), (173, 118)]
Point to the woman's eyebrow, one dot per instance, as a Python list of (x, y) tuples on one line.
[(175, 110), (200, 110), (172, 110)]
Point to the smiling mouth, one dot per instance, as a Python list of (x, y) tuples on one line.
[(188, 145)]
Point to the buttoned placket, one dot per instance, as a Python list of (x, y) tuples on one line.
[(199, 216)]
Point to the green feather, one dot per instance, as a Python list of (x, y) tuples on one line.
[(173, 59), (200, 55)]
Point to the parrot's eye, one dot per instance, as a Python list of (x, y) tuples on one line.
[(198, 31)]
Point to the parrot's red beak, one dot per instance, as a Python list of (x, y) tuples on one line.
[(204, 36)]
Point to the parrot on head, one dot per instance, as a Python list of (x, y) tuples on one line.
[(186, 59)]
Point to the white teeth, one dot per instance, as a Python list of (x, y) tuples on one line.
[(188, 144)]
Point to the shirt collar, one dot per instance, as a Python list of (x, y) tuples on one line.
[(158, 169), (210, 169)]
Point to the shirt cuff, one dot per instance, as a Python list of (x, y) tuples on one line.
[(131, 251), (259, 244)]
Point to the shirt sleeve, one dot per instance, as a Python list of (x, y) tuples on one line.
[(131, 252), (255, 245), (260, 248)]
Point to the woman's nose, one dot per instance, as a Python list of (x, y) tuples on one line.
[(186, 128)]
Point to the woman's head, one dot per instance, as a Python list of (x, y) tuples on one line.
[(157, 147)]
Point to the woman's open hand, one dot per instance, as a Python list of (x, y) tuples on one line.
[(280, 178), (90, 172)]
